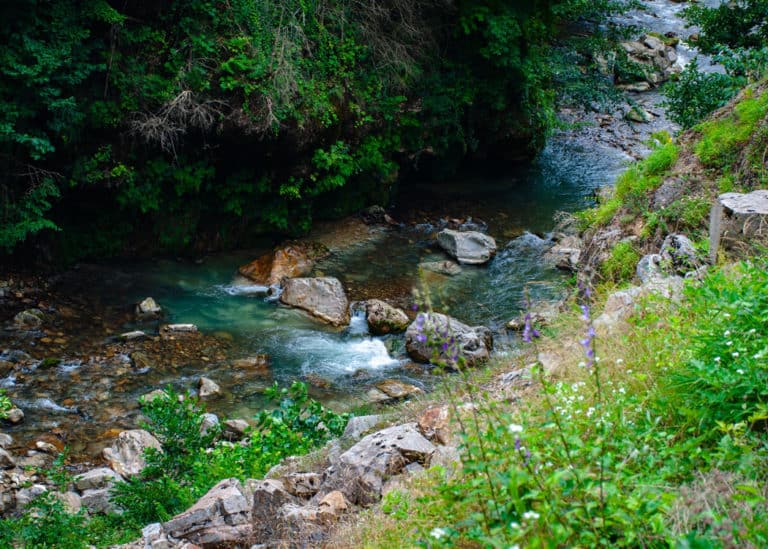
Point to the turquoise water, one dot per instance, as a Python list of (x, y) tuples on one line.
[(87, 396)]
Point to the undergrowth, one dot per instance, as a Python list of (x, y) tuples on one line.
[(192, 461), (656, 438)]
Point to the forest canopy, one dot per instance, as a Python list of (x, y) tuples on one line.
[(197, 124)]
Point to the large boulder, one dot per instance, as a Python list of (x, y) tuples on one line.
[(289, 261), (383, 318), (360, 472), (268, 497), (469, 247), (147, 308), (103, 477), (443, 340), (126, 455), (739, 222), (221, 518), (323, 298)]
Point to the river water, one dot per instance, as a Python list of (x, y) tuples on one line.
[(92, 392)]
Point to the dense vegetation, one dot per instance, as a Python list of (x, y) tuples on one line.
[(195, 125), (735, 34), (195, 457)]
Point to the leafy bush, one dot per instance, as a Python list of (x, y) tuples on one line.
[(192, 462), (693, 95)]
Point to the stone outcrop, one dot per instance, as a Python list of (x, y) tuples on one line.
[(470, 247), (738, 222), (220, 517), (425, 337), (360, 472), (678, 255), (323, 298), (126, 455), (565, 253), (288, 261), (657, 59), (384, 319)]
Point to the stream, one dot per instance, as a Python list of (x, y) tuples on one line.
[(90, 391)]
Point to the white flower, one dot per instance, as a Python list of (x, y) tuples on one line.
[(514, 526), (622, 390), (740, 372), (735, 354), (727, 333), (619, 361), (515, 428), (727, 315), (752, 331), (717, 359), (729, 343), (437, 533), (515, 546), (582, 364), (530, 515)]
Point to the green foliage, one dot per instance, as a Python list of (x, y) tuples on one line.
[(736, 24), (47, 523), (193, 461), (635, 183), (5, 405), (723, 380), (657, 439), (722, 138), (693, 95), (620, 265), (189, 120)]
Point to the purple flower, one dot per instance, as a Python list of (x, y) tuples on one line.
[(518, 444), (415, 307), (585, 312), (421, 338)]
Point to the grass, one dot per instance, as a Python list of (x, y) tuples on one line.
[(634, 185), (661, 442), (723, 138)]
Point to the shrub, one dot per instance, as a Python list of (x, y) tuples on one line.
[(620, 265), (191, 462), (693, 95)]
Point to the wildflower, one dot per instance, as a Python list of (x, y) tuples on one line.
[(717, 359), (515, 428), (415, 307), (727, 333), (619, 361), (530, 515), (740, 372), (735, 354), (622, 390), (729, 343), (438, 533), (584, 312), (514, 525), (752, 331)]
